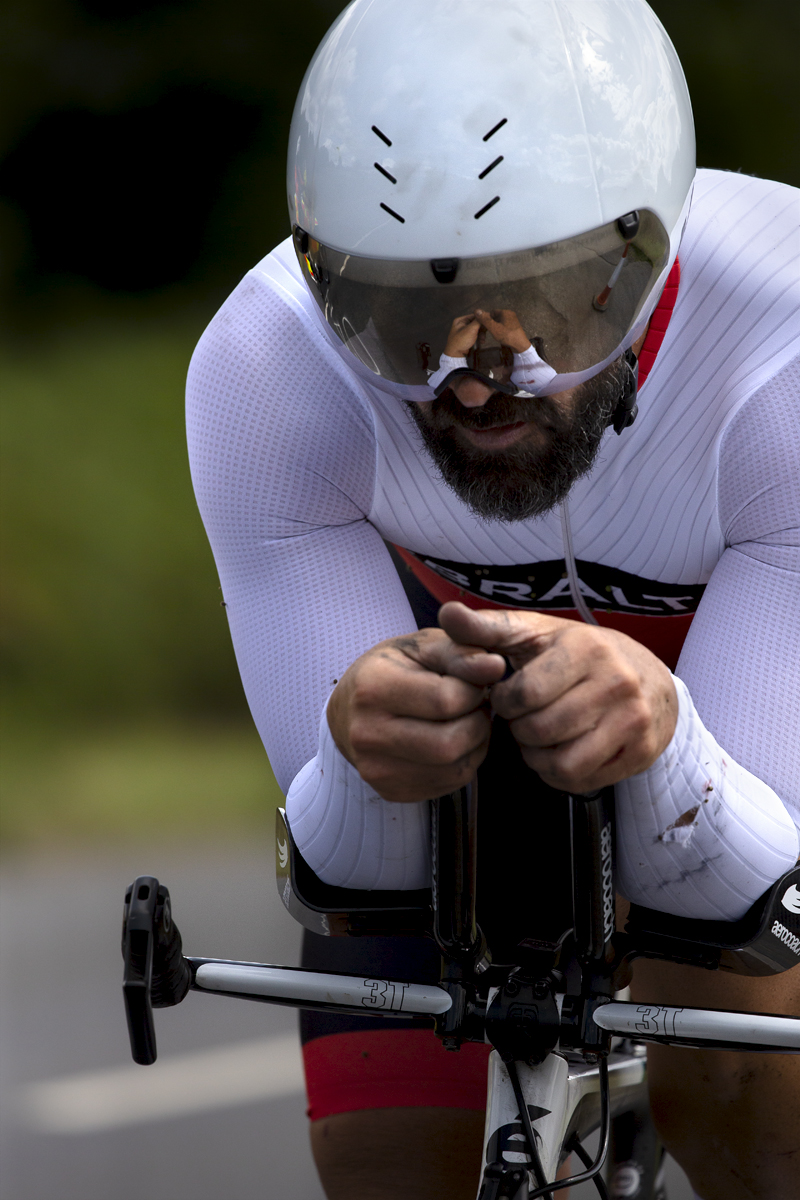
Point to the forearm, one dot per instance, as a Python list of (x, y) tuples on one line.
[(740, 665), (697, 834), (348, 834)]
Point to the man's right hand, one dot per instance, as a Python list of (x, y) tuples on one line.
[(412, 714)]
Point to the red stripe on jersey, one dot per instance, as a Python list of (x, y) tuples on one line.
[(664, 636), (658, 324), (392, 1068)]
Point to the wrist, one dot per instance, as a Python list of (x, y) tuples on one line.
[(335, 721)]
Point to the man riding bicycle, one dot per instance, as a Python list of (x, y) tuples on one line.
[(500, 246)]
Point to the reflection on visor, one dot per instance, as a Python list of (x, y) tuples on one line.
[(568, 305)]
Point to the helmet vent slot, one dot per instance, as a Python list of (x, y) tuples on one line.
[(397, 216), (384, 138), (490, 167), (383, 171), (486, 136), (485, 208)]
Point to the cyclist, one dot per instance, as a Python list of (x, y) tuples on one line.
[(497, 224)]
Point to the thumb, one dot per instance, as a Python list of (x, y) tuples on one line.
[(519, 636)]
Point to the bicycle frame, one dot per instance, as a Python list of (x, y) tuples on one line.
[(554, 1075)]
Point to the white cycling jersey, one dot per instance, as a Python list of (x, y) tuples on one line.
[(301, 471)]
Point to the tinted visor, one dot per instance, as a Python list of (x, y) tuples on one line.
[(576, 300)]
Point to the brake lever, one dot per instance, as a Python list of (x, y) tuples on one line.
[(156, 975), (138, 936)]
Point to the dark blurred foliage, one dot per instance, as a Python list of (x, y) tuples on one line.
[(143, 150), (133, 191), (145, 142)]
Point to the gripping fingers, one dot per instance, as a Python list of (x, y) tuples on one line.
[(569, 768), (572, 715), (617, 747), (520, 636), (543, 683), (549, 728), (420, 694), (472, 664), (429, 743), (416, 760)]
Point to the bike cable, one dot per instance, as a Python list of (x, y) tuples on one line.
[(576, 1147), (530, 1136), (593, 1172)]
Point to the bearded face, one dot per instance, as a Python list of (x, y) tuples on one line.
[(555, 440)]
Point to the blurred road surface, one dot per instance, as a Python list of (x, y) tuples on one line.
[(221, 1114)]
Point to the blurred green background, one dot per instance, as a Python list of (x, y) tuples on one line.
[(142, 173)]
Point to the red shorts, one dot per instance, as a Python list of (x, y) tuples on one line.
[(354, 1063), (392, 1068)]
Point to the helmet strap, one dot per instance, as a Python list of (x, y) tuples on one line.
[(508, 389), (625, 412)]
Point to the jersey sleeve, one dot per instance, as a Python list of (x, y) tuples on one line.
[(741, 660), (714, 822), (282, 456)]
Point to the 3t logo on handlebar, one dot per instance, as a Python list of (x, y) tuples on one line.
[(607, 862), (657, 1019), (384, 994)]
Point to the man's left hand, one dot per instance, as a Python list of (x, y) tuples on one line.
[(588, 706)]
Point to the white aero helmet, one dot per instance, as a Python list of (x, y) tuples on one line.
[(454, 156)]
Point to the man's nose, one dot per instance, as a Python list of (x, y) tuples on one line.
[(471, 392)]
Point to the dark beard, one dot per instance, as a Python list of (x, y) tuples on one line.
[(528, 480)]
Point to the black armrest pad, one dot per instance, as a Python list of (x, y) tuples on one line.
[(765, 940)]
